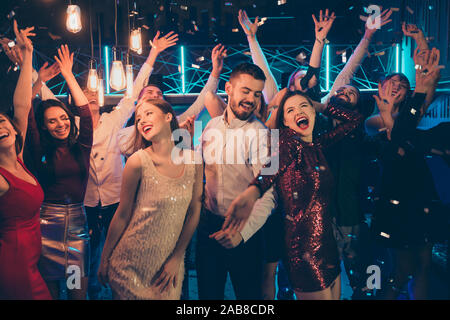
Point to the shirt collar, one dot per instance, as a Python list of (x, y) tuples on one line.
[(236, 123)]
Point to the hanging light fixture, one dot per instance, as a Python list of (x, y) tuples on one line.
[(73, 22), (129, 76), (136, 41), (101, 89), (92, 82), (117, 79)]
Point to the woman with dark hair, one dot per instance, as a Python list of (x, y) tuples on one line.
[(159, 210), (408, 202), (20, 195), (61, 152), (304, 183)]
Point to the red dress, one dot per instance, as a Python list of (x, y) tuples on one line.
[(20, 240), (304, 183)]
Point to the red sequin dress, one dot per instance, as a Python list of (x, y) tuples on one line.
[(304, 184), (20, 240)]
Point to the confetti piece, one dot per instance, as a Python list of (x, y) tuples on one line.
[(395, 202), (413, 111), (196, 66), (438, 152), (179, 68), (247, 53), (351, 8), (54, 36), (395, 9), (385, 235), (411, 11), (381, 53), (199, 59), (281, 2), (228, 4), (428, 39), (235, 30), (145, 27), (401, 152), (184, 8), (426, 210)]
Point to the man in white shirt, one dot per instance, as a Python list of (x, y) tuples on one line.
[(239, 254)]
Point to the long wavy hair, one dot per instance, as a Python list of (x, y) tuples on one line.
[(46, 168), (165, 107)]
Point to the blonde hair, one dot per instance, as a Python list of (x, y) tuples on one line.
[(165, 107)]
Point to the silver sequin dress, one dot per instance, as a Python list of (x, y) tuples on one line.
[(153, 231)]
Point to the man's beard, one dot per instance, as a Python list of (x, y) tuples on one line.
[(243, 115)]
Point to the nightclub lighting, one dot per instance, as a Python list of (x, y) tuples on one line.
[(73, 22)]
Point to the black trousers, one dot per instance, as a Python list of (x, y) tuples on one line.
[(244, 263), (99, 218)]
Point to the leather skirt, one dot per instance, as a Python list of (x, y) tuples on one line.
[(65, 241)]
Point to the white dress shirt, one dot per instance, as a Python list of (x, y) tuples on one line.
[(106, 165), (224, 182)]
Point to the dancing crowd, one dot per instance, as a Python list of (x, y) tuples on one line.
[(66, 200)]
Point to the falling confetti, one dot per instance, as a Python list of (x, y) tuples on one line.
[(411, 11), (281, 2), (196, 66), (395, 9), (199, 59), (395, 202), (385, 235), (185, 8)]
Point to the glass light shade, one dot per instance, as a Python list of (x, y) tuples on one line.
[(129, 76), (101, 93), (73, 22), (92, 82), (117, 79), (136, 41)]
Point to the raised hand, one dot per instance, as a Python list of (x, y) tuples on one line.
[(217, 55), (385, 99), (48, 72), (65, 60), (384, 19), (22, 38), (14, 54), (188, 125), (249, 28), (162, 43), (411, 30), (323, 25), (427, 69)]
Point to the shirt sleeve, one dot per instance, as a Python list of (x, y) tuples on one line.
[(199, 103), (348, 72), (45, 93), (125, 139), (263, 206), (350, 120), (270, 85), (126, 105), (86, 127)]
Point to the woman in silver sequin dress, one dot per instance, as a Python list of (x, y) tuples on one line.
[(159, 210)]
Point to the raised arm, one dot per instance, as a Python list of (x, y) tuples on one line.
[(250, 29), (167, 275), (130, 180), (218, 53), (45, 74), (65, 63), (23, 92), (321, 29), (356, 59)]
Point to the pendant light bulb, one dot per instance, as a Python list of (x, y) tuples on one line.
[(136, 41), (117, 78), (92, 82), (101, 93), (73, 22), (129, 77)]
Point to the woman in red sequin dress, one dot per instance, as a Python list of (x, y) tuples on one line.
[(304, 184), (20, 195)]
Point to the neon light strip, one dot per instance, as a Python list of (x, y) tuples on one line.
[(327, 75), (183, 85), (107, 69), (397, 58)]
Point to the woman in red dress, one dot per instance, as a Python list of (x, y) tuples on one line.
[(20, 195)]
